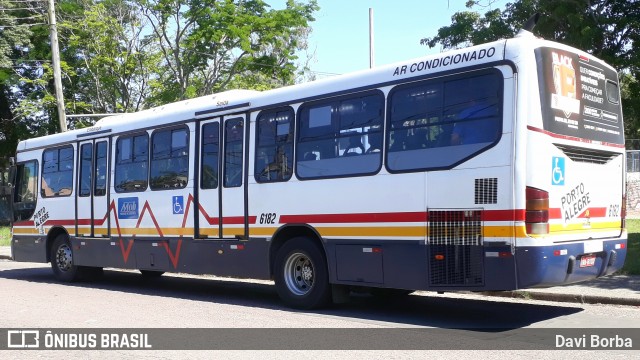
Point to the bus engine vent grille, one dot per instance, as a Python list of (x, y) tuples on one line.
[(456, 255), (486, 191), (587, 155)]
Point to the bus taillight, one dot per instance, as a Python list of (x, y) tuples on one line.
[(537, 212)]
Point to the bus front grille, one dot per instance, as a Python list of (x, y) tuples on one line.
[(455, 248)]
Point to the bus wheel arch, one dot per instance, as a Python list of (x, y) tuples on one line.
[(51, 238), (299, 267), (286, 233)]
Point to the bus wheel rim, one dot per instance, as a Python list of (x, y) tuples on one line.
[(64, 258), (299, 274)]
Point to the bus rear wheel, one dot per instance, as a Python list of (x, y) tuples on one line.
[(62, 260), (301, 276)]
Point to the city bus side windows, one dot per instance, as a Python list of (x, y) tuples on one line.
[(274, 146), (169, 159), (429, 118), (335, 136), (57, 172), (132, 157)]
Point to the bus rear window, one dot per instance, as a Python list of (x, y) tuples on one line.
[(613, 93)]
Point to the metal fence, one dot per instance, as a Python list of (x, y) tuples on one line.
[(633, 184)]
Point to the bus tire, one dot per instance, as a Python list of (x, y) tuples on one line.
[(301, 275), (62, 260), (149, 274)]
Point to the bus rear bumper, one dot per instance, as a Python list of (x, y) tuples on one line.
[(566, 263)]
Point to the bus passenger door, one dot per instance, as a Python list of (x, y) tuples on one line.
[(100, 210), (207, 204), (84, 202), (92, 207), (232, 195), (220, 197)]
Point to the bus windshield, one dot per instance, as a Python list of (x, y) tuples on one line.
[(579, 96)]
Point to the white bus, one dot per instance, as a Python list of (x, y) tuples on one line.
[(495, 167)]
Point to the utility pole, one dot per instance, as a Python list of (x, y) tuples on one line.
[(372, 61), (57, 74)]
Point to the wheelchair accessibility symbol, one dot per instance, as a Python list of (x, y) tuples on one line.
[(178, 205), (557, 171)]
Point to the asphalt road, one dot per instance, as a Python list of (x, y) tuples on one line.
[(123, 299)]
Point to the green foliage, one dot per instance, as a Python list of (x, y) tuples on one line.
[(609, 29), (127, 55), (632, 261), (206, 45), (5, 236)]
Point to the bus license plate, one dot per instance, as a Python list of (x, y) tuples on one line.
[(587, 261)]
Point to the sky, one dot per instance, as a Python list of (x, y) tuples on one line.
[(340, 36)]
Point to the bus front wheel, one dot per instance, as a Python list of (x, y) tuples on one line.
[(301, 276), (62, 260)]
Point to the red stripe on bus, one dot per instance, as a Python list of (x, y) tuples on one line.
[(237, 220), (555, 213), (573, 138), (487, 215), (355, 218), (503, 215), (594, 212)]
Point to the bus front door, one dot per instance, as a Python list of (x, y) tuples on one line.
[(91, 195)]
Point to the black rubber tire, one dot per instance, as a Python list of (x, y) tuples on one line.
[(318, 294), (150, 274), (62, 260)]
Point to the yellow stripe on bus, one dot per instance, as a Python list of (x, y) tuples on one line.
[(417, 231), (594, 226), (349, 231), (24, 231)]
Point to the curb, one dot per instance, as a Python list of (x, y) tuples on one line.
[(570, 298), (5, 257)]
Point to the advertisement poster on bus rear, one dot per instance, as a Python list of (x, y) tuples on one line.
[(579, 96)]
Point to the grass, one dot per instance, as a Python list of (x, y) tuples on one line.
[(631, 264), (5, 236)]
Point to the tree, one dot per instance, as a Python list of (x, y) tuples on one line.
[(111, 72), (608, 29), (207, 45), (15, 35), (127, 55)]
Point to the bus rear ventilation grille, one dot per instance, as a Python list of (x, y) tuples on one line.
[(456, 252), (587, 155), (486, 191)]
